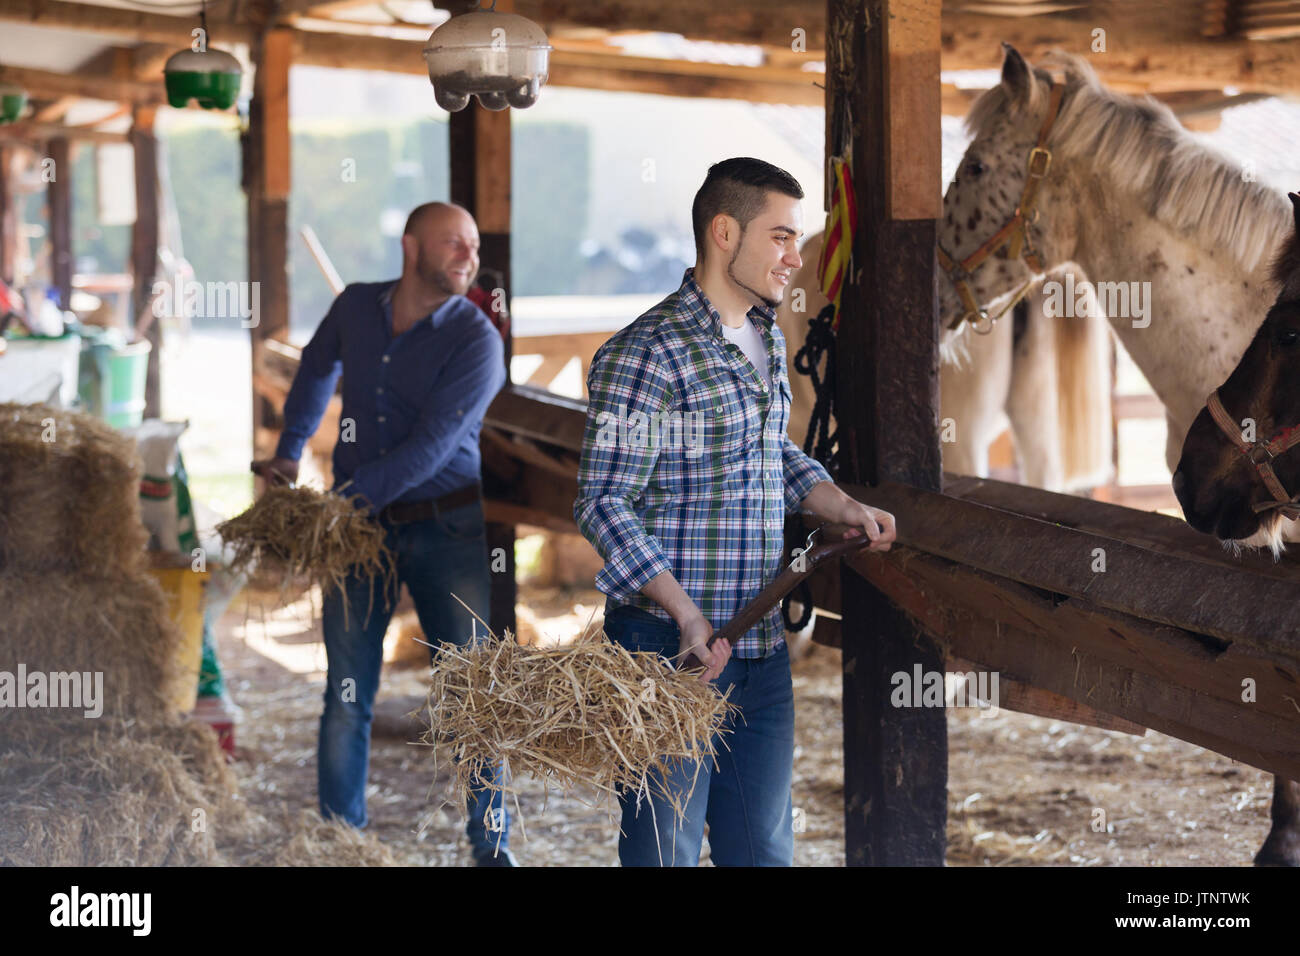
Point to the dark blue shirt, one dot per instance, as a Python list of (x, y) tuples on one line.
[(415, 402)]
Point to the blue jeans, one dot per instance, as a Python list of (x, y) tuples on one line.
[(745, 796), (436, 558)]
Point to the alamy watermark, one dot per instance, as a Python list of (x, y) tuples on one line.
[(209, 300), (922, 688), (672, 430), (1084, 299), (81, 690)]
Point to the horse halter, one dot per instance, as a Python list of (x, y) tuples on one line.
[(1012, 241), (1261, 455)]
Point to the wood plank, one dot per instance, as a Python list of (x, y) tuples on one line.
[(895, 760), (481, 181), (1169, 588), (266, 180), (1155, 532), (912, 135), (58, 204), (144, 251), (98, 86), (1197, 661), (538, 414), (1049, 658), (1026, 699), (8, 214)]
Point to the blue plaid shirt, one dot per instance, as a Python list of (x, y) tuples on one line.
[(686, 465)]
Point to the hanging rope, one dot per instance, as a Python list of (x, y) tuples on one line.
[(832, 267)]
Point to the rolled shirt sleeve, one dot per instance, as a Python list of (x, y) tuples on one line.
[(801, 474), (613, 474)]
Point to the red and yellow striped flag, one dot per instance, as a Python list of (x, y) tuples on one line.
[(841, 222)]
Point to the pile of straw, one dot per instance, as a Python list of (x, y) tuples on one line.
[(588, 714), (69, 494), (138, 785), (302, 532)]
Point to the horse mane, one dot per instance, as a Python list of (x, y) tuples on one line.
[(1286, 267), (1138, 144)]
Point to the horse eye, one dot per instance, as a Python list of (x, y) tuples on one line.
[(975, 167), (1286, 335)]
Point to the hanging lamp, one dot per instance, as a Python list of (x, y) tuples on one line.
[(13, 99), (502, 58), (210, 77)]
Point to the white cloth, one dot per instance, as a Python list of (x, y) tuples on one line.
[(751, 343)]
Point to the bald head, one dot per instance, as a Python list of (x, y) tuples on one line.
[(433, 212), (440, 248)]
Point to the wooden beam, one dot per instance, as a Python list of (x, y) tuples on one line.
[(137, 25), (481, 174), (883, 104), (540, 415), (29, 132), (58, 204), (1229, 603), (768, 22), (144, 250), (1155, 676), (267, 182), (8, 214), (99, 86), (1147, 50), (1153, 532)]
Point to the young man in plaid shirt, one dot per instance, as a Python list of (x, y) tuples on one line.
[(686, 474)]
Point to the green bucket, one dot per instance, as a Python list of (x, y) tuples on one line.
[(113, 380)]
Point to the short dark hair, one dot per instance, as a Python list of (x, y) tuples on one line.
[(738, 187)]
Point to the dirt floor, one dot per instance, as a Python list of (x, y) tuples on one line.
[(1023, 790)]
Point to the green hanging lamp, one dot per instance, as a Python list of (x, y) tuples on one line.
[(210, 77), (13, 99)]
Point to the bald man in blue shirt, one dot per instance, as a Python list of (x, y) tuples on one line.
[(420, 365)]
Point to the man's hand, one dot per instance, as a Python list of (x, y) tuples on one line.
[(827, 501), (276, 471), (875, 524), (695, 638)]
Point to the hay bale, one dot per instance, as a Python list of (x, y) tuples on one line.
[(117, 627), (69, 494), (122, 794)]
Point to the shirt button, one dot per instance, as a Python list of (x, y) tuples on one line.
[(381, 418), (382, 450), (379, 390), (387, 358)]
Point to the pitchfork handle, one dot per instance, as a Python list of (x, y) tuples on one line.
[(785, 582)]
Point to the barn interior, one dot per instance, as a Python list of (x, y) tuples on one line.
[(161, 267)]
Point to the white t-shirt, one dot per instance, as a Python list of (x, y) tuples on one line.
[(751, 343)]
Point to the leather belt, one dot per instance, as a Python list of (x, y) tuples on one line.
[(405, 513)]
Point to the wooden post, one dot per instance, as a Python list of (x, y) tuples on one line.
[(266, 182), (144, 249), (480, 181), (8, 216), (883, 103), (58, 199)]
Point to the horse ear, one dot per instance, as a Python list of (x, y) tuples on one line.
[(1295, 205), (1016, 77)]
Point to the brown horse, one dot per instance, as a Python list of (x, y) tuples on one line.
[(1235, 479)]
